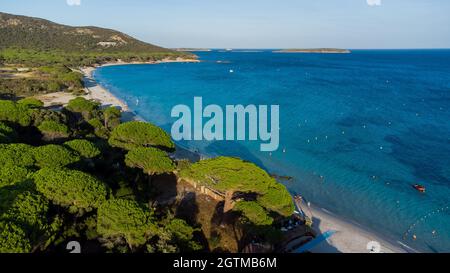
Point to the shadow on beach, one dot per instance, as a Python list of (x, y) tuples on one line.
[(324, 246)]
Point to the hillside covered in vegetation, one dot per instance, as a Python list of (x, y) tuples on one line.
[(39, 56), (35, 41)]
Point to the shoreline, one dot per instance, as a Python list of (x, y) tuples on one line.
[(97, 92), (349, 237)]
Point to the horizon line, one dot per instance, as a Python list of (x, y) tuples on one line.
[(284, 48)]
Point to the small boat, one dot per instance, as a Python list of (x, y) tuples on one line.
[(419, 188)]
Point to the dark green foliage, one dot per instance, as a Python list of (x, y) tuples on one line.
[(29, 86), (16, 155), (62, 77), (125, 219), (31, 103), (53, 129), (78, 191), (83, 106), (7, 134), (22, 205), (11, 175), (84, 148), (35, 57), (150, 160), (227, 173), (38, 116), (13, 239), (136, 134), (182, 234), (278, 199), (232, 174), (41, 80), (111, 117), (54, 156), (18, 113), (99, 130), (254, 213)]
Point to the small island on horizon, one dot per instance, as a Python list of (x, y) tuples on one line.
[(192, 49), (314, 50)]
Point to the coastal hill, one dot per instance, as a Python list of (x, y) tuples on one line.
[(39, 56), (39, 34), (35, 41), (314, 50)]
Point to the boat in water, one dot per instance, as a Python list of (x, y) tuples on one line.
[(420, 188)]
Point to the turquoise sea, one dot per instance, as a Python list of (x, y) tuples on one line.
[(358, 129)]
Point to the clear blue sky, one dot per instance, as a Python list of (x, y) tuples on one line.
[(258, 23)]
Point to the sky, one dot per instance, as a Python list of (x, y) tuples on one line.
[(349, 24)]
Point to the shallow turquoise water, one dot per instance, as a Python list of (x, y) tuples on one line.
[(358, 129)]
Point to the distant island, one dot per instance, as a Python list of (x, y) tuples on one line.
[(192, 49), (314, 50)]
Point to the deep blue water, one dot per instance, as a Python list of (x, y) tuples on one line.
[(358, 129)]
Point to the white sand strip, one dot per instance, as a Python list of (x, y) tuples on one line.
[(350, 237), (97, 92)]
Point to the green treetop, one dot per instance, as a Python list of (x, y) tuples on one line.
[(278, 199), (182, 235), (12, 174), (125, 219), (17, 113), (111, 117), (31, 102), (16, 155), (83, 106), (254, 213), (228, 174), (151, 160), (135, 134), (53, 129), (84, 148), (76, 190), (7, 134), (25, 207), (13, 239), (54, 156)]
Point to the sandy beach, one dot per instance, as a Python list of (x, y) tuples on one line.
[(95, 91), (349, 237)]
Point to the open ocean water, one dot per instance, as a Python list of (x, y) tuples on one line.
[(358, 129)]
